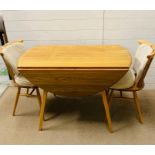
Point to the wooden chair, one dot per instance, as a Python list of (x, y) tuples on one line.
[(10, 53), (133, 80), (3, 35)]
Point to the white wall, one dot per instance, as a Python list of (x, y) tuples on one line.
[(83, 27), (126, 27), (55, 27)]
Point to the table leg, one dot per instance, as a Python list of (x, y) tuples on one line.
[(107, 111), (38, 96), (42, 109)]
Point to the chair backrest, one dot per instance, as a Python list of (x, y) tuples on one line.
[(142, 61), (10, 54)]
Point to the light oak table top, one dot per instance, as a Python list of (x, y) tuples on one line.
[(75, 70), (112, 56)]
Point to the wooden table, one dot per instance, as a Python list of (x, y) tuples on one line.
[(75, 70)]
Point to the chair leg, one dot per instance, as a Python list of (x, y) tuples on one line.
[(110, 98), (107, 111), (54, 95), (107, 92), (138, 108), (32, 91), (41, 117), (16, 101), (109, 101), (39, 99), (27, 91), (121, 93)]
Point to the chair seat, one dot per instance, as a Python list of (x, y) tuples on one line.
[(126, 81), (22, 81)]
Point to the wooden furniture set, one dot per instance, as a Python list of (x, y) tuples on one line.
[(77, 71), (10, 53)]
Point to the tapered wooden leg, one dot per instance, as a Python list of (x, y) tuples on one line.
[(138, 108), (39, 99), (110, 98), (38, 96), (41, 117), (106, 106), (109, 101), (16, 101)]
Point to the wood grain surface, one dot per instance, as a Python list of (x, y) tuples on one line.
[(75, 70)]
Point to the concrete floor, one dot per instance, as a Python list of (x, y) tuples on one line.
[(76, 121)]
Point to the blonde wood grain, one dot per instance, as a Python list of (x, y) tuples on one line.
[(38, 96), (41, 117), (107, 111), (16, 101), (75, 70), (70, 82), (138, 108), (76, 56)]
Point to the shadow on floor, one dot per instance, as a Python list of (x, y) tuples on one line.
[(90, 108)]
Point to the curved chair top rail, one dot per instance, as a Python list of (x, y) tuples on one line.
[(150, 57), (8, 66), (149, 44)]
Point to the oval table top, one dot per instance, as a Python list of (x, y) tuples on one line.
[(75, 70)]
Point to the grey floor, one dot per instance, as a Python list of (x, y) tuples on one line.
[(2, 89), (76, 121), (4, 79), (4, 82)]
